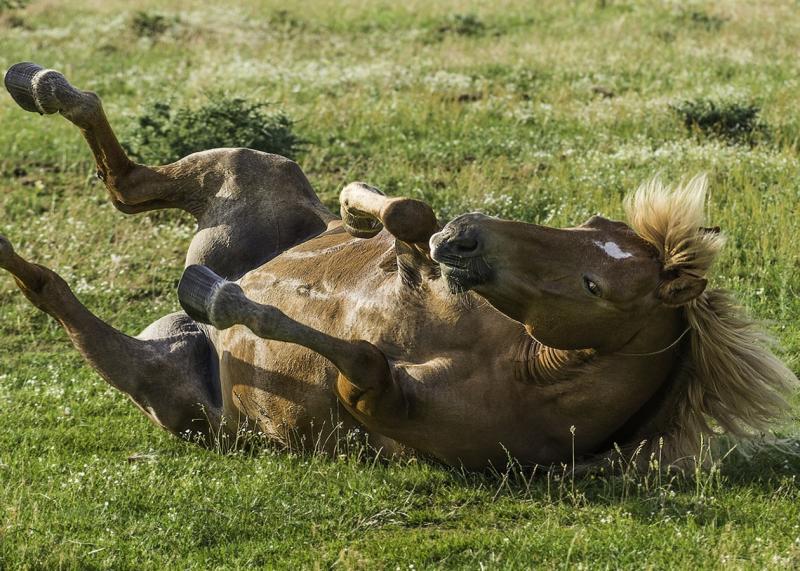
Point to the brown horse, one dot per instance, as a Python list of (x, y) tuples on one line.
[(484, 340)]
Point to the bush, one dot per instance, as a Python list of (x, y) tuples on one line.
[(163, 134), (7, 5), (463, 25), (146, 25), (457, 24), (700, 19), (732, 121)]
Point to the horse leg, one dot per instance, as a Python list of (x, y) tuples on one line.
[(133, 188), (168, 371), (365, 384), (366, 210), (249, 205)]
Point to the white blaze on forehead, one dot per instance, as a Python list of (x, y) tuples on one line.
[(612, 249)]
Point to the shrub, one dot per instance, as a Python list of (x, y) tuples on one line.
[(700, 19), (286, 21), (163, 134), (146, 25), (463, 25), (7, 5), (458, 25), (732, 121)]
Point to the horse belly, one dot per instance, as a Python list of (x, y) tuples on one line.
[(279, 389)]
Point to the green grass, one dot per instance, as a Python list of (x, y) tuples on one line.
[(548, 114)]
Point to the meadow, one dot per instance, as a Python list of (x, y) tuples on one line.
[(545, 111)]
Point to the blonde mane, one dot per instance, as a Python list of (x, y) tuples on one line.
[(730, 380)]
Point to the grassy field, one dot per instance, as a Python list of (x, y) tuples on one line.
[(539, 111)]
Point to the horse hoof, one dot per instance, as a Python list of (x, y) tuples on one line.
[(196, 292), (37, 89), (360, 226)]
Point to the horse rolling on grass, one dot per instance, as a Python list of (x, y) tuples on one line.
[(472, 343)]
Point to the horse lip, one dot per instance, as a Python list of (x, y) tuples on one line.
[(435, 244), (462, 273)]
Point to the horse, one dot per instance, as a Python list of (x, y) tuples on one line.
[(471, 343)]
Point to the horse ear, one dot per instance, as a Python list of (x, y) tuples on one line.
[(681, 289)]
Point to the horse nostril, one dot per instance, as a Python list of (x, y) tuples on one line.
[(464, 244), (456, 240)]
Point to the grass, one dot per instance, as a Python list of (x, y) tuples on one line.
[(545, 114)]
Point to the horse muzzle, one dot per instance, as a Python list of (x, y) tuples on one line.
[(458, 249)]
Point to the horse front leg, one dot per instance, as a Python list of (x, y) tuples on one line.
[(366, 211), (168, 371), (365, 384)]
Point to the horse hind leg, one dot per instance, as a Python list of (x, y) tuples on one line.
[(249, 205), (132, 187), (169, 372)]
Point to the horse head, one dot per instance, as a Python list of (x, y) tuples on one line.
[(596, 285)]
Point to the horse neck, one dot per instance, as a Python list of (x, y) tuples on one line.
[(543, 365)]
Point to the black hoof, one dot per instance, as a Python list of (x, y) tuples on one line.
[(19, 83), (40, 90), (196, 292)]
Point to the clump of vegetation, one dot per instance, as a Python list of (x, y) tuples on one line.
[(731, 121), (163, 133), (467, 25), (463, 25), (470, 25), (147, 25), (701, 19), (286, 21), (12, 5)]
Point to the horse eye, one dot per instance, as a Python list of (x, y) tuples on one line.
[(591, 287)]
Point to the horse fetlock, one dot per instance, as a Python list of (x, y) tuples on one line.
[(43, 91), (81, 108), (409, 220), (30, 277), (376, 399), (229, 306), (211, 299), (44, 288), (6, 251), (196, 292)]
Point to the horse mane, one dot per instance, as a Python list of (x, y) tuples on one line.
[(730, 379)]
